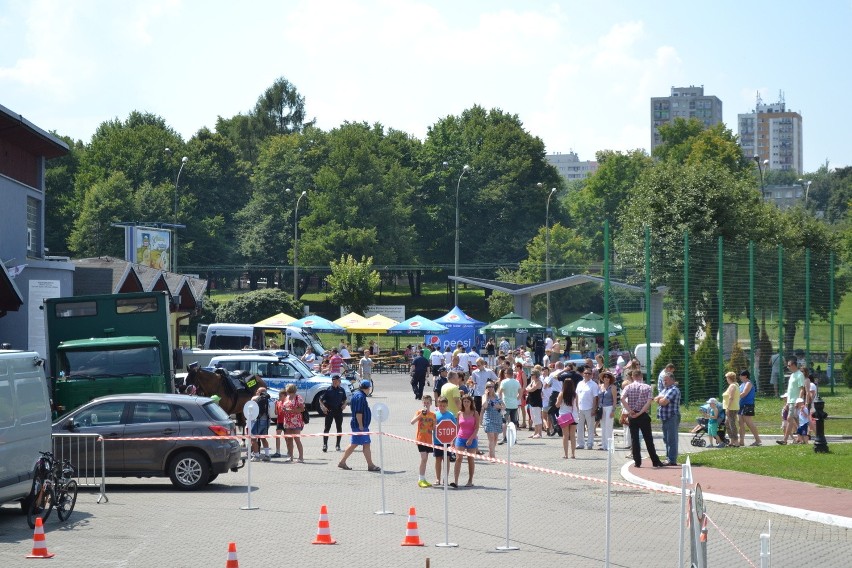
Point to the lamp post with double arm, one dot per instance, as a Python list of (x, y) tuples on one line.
[(296, 246), (183, 162), (547, 246)]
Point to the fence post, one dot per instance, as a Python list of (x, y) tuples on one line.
[(830, 365), (751, 316), (648, 299), (780, 317), (808, 361), (686, 311), (720, 251), (606, 293)]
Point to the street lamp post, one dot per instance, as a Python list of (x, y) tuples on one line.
[(807, 186), (760, 168), (547, 246), (183, 162), (465, 170), (296, 247)]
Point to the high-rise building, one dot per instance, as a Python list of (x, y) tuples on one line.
[(772, 133), (570, 167), (684, 102)]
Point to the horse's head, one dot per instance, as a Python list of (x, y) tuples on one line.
[(191, 373)]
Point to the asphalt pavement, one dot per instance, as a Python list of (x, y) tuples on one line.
[(556, 513)]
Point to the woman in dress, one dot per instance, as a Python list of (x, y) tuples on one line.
[(466, 440), (609, 395), (567, 404), (292, 408), (534, 402), (521, 377), (492, 416)]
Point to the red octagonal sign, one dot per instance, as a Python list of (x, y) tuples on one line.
[(446, 431)]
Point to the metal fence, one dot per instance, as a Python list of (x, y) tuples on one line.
[(86, 454)]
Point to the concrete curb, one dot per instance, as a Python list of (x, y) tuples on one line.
[(814, 516)]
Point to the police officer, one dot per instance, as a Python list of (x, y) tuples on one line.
[(332, 403)]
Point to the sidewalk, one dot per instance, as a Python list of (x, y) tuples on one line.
[(808, 501)]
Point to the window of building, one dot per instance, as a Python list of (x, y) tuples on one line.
[(33, 227)]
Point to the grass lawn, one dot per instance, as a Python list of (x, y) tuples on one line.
[(797, 462)]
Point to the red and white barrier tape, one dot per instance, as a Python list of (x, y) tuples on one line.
[(737, 548)]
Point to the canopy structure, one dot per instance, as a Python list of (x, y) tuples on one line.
[(278, 319), (375, 324), (512, 323), (461, 328), (417, 325), (318, 323), (590, 325), (351, 321)]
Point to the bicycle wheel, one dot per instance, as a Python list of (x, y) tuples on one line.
[(40, 506), (66, 498)]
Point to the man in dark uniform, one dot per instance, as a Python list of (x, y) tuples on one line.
[(418, 374), (332, 403), (440, 381)]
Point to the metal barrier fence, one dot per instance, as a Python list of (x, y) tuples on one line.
[(86, 454)]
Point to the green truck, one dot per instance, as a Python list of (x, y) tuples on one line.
[(108, 344)]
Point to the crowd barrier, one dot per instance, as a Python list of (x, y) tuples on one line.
[(86, 454)]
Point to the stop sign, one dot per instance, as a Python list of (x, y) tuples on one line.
[(445, 431)]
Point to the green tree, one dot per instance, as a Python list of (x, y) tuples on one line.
[(688, 142), (281, 109), (104, 203), (605, 194), (707, 366), (353, 284), (257, 305), (59, 205), (672, 352), (738, 360), (501, 205)]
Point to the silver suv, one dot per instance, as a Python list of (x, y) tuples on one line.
[(189, 463), (280, 370)]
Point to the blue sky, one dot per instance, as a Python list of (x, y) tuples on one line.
[(578, 74)]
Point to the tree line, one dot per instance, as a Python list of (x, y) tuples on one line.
[(374, 191)]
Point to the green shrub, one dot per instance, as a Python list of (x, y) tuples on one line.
[(707, 365), (847, 369)]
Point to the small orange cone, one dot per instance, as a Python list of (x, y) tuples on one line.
[(232, 556), (323, 532), (39, 545), (412, 537)]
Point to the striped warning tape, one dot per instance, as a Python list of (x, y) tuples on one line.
[(457, 451)]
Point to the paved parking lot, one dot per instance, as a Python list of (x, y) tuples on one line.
[(553, 518)]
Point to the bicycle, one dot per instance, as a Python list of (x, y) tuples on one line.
[(53, 488)]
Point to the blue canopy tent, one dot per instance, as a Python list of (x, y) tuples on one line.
[(417, 325), (318, 324), (461, 328)]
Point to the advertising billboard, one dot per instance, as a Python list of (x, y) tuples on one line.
[(152, 247)]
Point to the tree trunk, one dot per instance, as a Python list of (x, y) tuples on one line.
[(412, 287)]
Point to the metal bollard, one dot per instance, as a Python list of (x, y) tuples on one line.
[(820, 443)]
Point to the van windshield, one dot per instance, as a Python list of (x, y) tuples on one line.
[(112, 362)]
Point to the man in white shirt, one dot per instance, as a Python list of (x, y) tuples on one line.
[(548, 345), (587, 402), (481, 376), (436, 359), (472, 357)]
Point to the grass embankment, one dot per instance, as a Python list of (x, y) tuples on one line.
[(796, 462)]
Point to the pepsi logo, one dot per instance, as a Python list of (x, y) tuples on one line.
[(415, 324), (309, 322)]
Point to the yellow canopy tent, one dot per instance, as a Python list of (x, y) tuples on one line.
[(351, 321), (375, 324), (277, 319)]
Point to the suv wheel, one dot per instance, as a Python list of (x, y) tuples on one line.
[(189, 470)]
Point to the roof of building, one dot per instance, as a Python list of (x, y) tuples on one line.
[(29, 136)]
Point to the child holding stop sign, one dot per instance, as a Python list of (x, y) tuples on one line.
[(443, 415)]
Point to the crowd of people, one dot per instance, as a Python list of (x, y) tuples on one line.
[(579, 400)]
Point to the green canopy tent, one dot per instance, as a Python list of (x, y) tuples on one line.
[(590, 325), (512, 323)]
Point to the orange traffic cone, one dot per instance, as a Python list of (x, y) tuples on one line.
[(323, 532), (232, 556), (39, 546), (412, 537)]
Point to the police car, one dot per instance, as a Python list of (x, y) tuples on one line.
[(280, 369)]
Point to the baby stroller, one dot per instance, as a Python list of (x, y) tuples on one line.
[(700, 430)]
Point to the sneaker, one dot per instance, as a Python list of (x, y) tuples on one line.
[(324, 448), (255, 458), (265, 457), (423, 483), (276, 455), (781, 442), (756, 444)]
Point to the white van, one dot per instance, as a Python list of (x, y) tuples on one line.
[(641, 353), (25, 421)]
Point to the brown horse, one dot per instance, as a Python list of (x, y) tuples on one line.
[(213, 382)]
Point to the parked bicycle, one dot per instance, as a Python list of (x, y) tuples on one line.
[(53, 488)]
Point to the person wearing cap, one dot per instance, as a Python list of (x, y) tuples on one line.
[(332, 402), (713, 424), (360, 424)]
